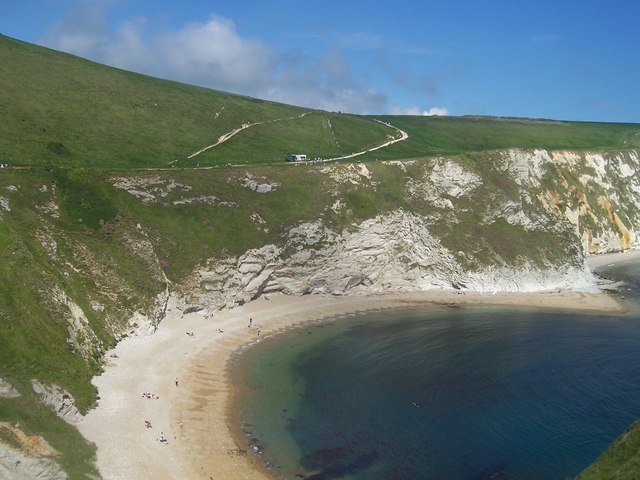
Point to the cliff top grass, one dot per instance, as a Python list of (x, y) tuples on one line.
[(452, 135)]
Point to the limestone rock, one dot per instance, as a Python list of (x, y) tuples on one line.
[(81, 336), (60, 401), (7, 390), (15, 465)]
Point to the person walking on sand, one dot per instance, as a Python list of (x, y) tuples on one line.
[(250, 322), (176, 381)]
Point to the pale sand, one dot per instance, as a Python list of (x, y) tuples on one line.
[(203, 447)]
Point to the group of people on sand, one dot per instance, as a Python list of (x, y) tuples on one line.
[(147, 423)]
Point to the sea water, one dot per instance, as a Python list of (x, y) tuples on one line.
[(450, 393)]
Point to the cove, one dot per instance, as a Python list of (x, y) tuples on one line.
[(447, 393)]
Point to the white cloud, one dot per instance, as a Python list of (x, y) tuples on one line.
[(215, 55), (415, 110)]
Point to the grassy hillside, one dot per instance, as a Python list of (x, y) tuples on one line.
[(62, 110)]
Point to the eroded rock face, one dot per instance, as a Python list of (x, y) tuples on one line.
[(584, 198), (150, 188), (16, 465), (7, 390), (80, 335), (4, 204), (598, 193), (390, 252), (35, 459), (442, 181), (58, 400)]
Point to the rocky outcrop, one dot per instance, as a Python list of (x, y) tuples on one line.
[(254, 183), (7, 390), (80, 335), (579, 203), (391, 252), (16, 465), (58, 400), (33, 460)]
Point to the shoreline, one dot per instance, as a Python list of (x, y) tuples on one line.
[(608, 259), (194, 416)]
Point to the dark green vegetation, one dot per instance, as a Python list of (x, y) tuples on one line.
[(74, 132)]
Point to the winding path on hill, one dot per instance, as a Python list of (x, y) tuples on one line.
[(403, 136), (223, 138)]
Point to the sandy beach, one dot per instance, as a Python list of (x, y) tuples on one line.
[(186, 376)]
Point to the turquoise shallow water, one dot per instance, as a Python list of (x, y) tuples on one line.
[(458, 393)]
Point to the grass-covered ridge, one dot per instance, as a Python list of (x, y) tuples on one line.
[(62, 110), (59, 109), (451, 135)]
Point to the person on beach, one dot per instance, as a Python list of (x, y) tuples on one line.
[(250, 322), (176, 381)]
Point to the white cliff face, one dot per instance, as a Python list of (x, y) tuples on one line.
[(7, 390), (34, 460), (60, 401), (582, 199), (596, 192), (80, 335), (444, 180), (390, 252), (17, 465)]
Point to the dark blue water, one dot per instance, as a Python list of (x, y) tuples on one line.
[(458, 393)]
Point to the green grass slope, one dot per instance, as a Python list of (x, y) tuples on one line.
[(62, 110)]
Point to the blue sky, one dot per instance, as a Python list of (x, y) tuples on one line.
[(568, 60)]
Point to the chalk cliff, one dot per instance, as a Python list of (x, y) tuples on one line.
[(514, 220)]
